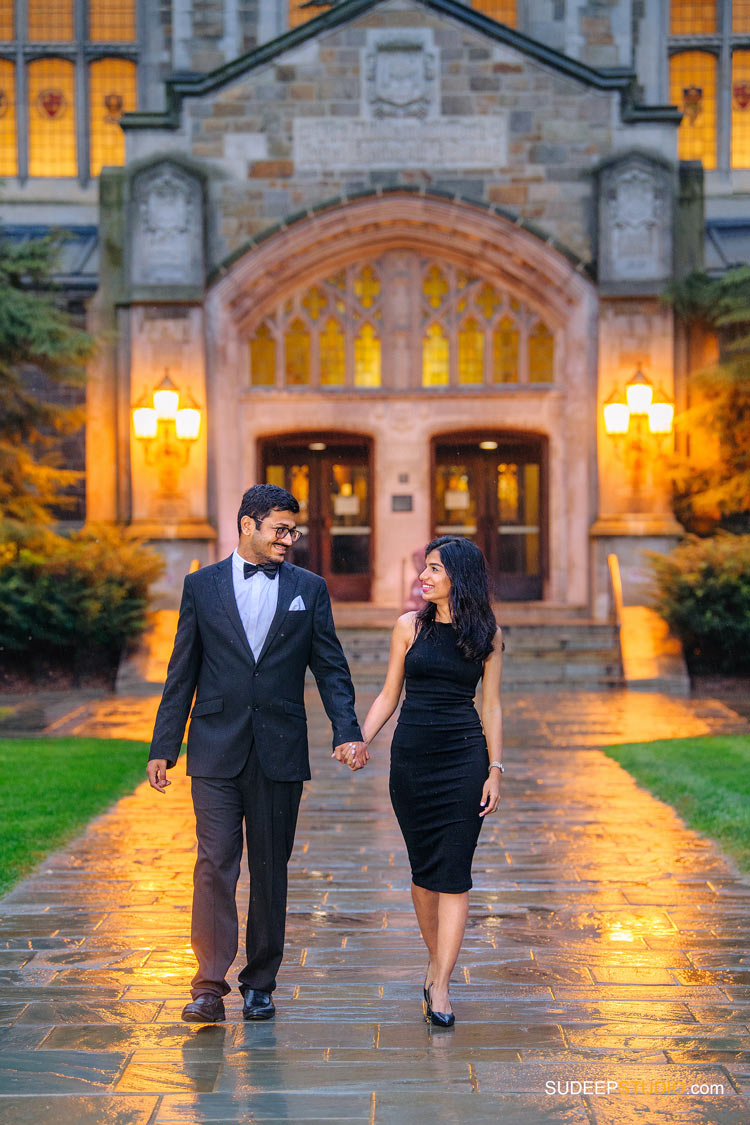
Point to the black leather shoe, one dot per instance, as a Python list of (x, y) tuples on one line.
[(438, 1019), (206, 1008), (258, 1005)]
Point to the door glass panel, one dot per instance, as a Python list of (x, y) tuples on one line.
[(350, 519), (456, 500), (518, 518), (295, 479)]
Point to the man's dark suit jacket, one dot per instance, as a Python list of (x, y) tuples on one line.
[(240, 700)]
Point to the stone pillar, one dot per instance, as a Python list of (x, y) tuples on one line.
[(636, 206), (163, 334)]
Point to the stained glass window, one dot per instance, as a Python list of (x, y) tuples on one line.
[(541, 354), (7, 29), (50, 21), (741, 109), (505, 351), (692, 17), (504, 11), (367, 357), (299, 14), (263, 357), (112, 21), (693, 89), (112, 92), (435, 286), (332, 355), (8, 159), (470, 352), (346, 329), (297, 354), (741, 17), (52, 126), (435, 357)]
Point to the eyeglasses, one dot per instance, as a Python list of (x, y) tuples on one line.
[(280, 533)]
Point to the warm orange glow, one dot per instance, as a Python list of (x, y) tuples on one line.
[(50, 21), (693, 90), (52, 121), (112, 92), (504, 11), (616, 417), (6, 19), (435, 370), (693, 17), (741, 17), (298, 14), (8, 151), (145, 422), (111, 21), (741, 109)]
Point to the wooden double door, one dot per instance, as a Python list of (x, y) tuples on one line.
[(331, 479), (492, 489)]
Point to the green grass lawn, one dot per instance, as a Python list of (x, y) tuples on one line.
[(706, 780), (51, 787)]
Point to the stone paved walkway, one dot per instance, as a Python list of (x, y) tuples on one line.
[(606, 944)]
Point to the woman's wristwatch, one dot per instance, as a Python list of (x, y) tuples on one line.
[(498, 765)]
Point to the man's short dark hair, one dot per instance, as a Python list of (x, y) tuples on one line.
[(261, 499)]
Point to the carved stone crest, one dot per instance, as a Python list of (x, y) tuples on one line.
[(167, 227), (401, 74), (635, 220)]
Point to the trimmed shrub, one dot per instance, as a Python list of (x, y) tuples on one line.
[(703, 593), (68, 606)]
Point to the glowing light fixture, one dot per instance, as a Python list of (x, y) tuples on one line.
[(639, 392), (317, 446), (145, 421), (488, 445), (166, 398), (661, 417), (616, 417)]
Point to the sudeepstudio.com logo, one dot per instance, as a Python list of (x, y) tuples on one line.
[(632, 1087)]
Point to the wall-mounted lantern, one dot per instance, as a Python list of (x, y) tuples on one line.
[(167, 426), (640, 412)]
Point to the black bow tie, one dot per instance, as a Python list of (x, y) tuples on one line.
[(269, 569)]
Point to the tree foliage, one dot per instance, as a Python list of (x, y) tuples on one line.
[(719, 403), (36, 332)]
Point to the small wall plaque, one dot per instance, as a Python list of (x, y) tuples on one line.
[(402, 503)]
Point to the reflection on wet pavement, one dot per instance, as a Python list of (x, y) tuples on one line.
[(604, 974)]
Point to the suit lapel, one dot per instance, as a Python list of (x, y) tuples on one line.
[(287, 586), (225, 586)]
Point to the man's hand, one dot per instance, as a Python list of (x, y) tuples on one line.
[(354, 754), (157, 774)]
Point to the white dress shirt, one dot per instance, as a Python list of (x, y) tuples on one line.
[(256, 599)]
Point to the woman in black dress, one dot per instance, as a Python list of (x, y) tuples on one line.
[(445, 762)]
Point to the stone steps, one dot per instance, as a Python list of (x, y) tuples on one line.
[(576, 653)]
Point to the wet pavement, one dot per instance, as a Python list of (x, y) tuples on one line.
[(604, 974)]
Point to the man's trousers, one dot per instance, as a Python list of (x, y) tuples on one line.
[(269, 811)]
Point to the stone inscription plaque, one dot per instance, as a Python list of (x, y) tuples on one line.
[(321, 143)]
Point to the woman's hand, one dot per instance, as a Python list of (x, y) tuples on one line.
[(490, 793)]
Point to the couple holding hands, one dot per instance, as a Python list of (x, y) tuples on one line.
[(248, 629)]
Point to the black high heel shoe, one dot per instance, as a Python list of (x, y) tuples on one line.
[(438, 1019)]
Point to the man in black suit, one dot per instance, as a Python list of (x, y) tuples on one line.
[(248, 628)]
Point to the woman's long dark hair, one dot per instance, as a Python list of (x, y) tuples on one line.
[(472, 614)]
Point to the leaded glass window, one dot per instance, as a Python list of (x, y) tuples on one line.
[(8, 159), (112, 92), (693, 89), (504, 11), (52, 118), (7, 29), (348, 329)]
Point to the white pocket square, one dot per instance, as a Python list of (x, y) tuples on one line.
[(297, 604)]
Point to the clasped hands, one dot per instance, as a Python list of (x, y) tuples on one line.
[(353, 754)]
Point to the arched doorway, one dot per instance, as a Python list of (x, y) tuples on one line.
[(330, 476), (492, 488)]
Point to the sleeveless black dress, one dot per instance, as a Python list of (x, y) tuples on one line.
[(439, 762)]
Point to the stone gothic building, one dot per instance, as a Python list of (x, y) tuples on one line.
[(396, 255)]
